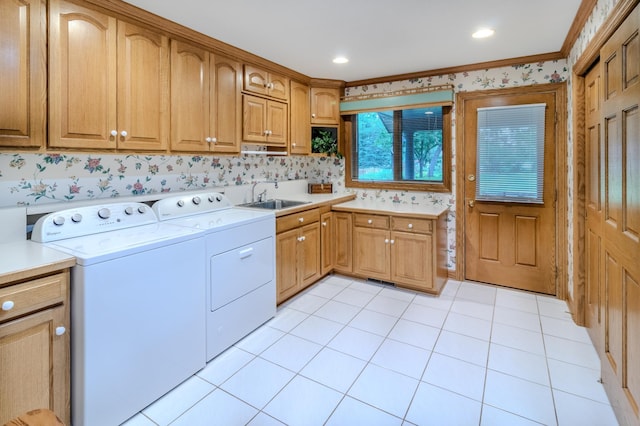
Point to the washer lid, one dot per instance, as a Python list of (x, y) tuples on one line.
[(223, 219), (100, 247)]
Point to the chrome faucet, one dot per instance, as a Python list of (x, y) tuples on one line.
[(263, 194)]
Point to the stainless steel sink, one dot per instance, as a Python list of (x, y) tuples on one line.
[(274, 204)]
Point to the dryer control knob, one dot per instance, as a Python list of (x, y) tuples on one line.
[(180, 203), (128, 211), (196, 200), (142, 209), (104, 213), (211, 198), (58, 220), (76, 218), (218, 198)]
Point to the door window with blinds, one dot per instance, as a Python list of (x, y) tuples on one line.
[(510, 157)]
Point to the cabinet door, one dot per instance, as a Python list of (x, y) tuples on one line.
[(226, 105), (34, 365), (371, 253), (277, 123), (300, 124), (278, 86), (325, 106), (82, 77), (343, 230), (256, 80), (327, 242), (23, 41), (287, 283), (254, 122), (189, 97), (309, 260), (412, 260), (143, 89)]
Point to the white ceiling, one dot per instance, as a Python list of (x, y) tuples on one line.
[(380, 38)]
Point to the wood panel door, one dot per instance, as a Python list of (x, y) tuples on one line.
[(593, 203), (309, 255), (23, 43), (343, 231), (620, 75), (508, 243), (371, 254)]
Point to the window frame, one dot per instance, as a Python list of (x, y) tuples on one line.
[(350, 159)]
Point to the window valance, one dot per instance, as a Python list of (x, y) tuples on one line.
[(402, 99)]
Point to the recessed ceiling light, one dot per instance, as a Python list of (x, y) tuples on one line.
[(483, 33), (340, 60)]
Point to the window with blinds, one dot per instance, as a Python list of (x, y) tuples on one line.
[(510, 157)]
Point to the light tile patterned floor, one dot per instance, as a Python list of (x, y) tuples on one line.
[(352, 352)]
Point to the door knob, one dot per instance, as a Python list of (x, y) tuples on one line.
[(471, 178), (472, 203)]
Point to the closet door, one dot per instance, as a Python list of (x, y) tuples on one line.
[(620, 59)]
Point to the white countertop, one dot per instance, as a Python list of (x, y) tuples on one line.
[(24, 259), (368, 206)]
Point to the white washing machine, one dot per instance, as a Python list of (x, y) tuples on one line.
[(240, 263), (137, 306)]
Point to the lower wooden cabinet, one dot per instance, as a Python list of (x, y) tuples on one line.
[(408, 251), (34, 347), (297, 252)]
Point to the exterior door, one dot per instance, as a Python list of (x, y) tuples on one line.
[(510, 243)]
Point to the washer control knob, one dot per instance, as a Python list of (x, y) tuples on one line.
[(196, 200), (128, 211), (180, 203), (104, 213), (218, 198), (76, 218), (58, 220), (142, 209), (211, 198)]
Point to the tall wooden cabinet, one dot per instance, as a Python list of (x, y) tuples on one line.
[(300, 136), (205, 100), (108, 82), (34, 347), (23, 43)]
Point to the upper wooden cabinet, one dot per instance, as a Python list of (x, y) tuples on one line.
[(205, 100), (23, 85), (264, 121), (300, 137), (108, 82), (325, 105), (262, 82)]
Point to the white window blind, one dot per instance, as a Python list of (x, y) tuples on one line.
[(510, 157)]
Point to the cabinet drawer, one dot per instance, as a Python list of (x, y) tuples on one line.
[(410, 224), (23, 298), (284, 223), (371, 221)]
